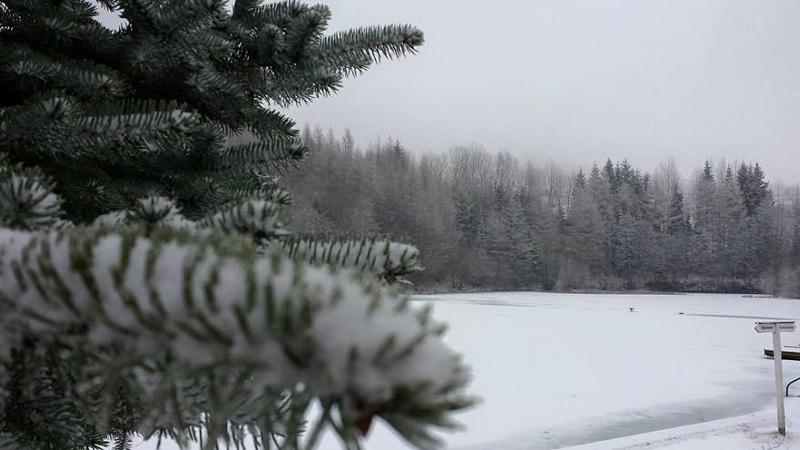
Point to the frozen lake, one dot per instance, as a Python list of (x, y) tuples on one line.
[(556, 370)]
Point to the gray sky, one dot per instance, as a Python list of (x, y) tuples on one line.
[(581, 80), (578, 81)]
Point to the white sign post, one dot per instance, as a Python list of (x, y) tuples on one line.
[(776, 328)]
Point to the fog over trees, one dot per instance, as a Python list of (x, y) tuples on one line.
[(485, 220)]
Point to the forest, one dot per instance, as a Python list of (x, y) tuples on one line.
[(485, 220)]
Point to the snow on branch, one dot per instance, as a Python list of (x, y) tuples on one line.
[(381, 257), (134, 124), (258, 218), (172, 305), (27, 200)]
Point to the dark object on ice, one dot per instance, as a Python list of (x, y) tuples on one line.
[(790, 353), (630, 308), (791, 383)]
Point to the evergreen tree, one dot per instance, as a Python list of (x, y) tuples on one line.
[(630, 249), (759, 188), (702, 242), (610, 175), (645, 201), (752, 184), (580, 180), (147, 284), (729, 226), (548, 225), (704, 188), (583, 235), (759, 252), (742, 178), (678, 228), (470, 219), (676, 216), (399, 154), (601, 192), (524, 261)]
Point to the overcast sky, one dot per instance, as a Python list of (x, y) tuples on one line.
[(578, 81), (581, 80)]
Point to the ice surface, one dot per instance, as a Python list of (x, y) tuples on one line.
[(556, 370)]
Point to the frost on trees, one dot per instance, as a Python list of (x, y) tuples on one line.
[(148, 284)]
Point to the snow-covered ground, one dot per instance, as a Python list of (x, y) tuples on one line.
[(562, 370), (749, 432), (559, 370)]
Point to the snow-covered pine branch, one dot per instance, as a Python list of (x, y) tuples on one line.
[(256, 218), (260, 219), (173, 307), (153, 320), (27, 200), (381, 257)]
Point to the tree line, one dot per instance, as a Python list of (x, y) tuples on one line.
[(488, 221)]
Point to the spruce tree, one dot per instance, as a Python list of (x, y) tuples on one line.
[(730, 227), (611, 175), (677, 233), (547, 228), (602, 196), (147, 284), (675, 222), (630, 249), (583, 245), (752, 184), (510, 242), (704, 188)]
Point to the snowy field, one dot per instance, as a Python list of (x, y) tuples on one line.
[(560, 370)]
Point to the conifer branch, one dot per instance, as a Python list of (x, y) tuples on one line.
[(27, 200), (257, 218), (8, 442), (216, 310), (295, 87), (28, 70), (352, 48), (380, 257), (279, 154), (153, 321)]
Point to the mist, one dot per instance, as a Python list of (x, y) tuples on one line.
[(578, 81)]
